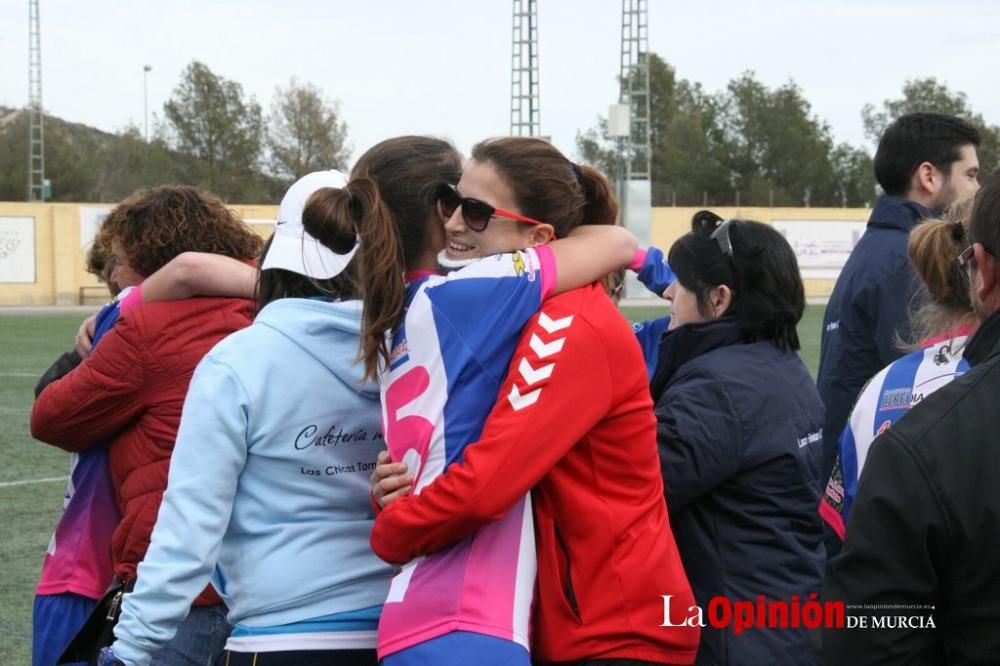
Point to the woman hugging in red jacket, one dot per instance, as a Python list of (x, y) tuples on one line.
[(131, 389)]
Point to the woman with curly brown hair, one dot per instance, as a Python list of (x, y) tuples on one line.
[(152, 227), (131, 388)]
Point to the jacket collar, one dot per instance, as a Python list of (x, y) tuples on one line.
[(684, 343), (898, 213), (984, 343)]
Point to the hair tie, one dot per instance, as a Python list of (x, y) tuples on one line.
[(577, 172), (353, 203), (958, 230)]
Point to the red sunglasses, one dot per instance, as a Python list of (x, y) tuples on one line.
[(476, 213)]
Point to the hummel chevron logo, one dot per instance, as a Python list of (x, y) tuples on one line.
[(545, 350), (532, 376), (518, 401), (553, 325)]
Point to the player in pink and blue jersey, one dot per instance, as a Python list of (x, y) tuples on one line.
[(77, 566), (450, 339), (77, 570)]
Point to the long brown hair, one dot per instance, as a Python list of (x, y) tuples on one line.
[(547, 186), (390, 196)]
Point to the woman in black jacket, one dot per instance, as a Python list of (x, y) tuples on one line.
[(740, 436)]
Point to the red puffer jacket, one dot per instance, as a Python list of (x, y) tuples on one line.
[(131, 391)]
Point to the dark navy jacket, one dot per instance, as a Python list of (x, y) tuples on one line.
[(738, 429), (869, 306)]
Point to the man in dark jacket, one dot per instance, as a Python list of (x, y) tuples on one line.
[(925, 529), (924, 162)]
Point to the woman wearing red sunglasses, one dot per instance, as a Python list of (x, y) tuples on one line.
[(573, 423), (440, 345)]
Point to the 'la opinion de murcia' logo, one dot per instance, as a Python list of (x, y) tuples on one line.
[(798, 612)]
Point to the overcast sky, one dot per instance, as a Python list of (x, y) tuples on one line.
[(442, 67)]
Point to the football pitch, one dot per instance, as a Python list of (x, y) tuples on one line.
[(33, 475)]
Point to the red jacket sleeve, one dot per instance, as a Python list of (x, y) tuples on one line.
[(97, 398), (553, 395)]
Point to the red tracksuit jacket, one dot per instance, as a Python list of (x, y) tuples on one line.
[(574, 424)]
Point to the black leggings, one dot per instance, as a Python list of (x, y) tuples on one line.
[(299, 658)]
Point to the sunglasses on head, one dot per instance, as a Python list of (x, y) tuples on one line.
[(475, 213), (967, 261), (721, 236)]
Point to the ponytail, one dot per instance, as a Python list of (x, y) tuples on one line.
[(382, 265), (327, 217), (934, 247), (387, 204), (357, 211), (601, 206)]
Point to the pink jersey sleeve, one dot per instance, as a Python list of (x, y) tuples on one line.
[(131, 299), (547, 264), (638, 259)]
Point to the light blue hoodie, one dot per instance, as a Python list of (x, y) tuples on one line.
[(268, 490)]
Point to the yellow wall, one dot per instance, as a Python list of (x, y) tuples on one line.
[(669, 224), (59, 260)]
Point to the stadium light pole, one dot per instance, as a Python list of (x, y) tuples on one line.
[(145, 98), (620, 129), (145, 112)]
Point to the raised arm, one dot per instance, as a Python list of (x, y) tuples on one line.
[(652, 269), (200, 274), (589, 253)]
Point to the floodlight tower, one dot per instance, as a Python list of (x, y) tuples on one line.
[(36, 130), (634, 76), (636, 187), (525, 111)]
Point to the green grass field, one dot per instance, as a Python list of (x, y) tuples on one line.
[(31, 342)]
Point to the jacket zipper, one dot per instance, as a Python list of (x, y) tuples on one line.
[(116, 602), (568, 583)]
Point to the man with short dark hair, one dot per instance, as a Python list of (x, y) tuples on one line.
[(925, 527), (924, 162)]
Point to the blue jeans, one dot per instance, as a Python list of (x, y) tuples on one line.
[(200, 639)]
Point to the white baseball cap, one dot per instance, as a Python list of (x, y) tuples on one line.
[(292, 248)]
